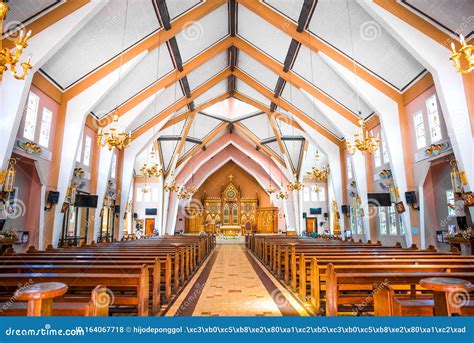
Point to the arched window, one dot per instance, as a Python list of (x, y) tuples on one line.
[(226, 214)]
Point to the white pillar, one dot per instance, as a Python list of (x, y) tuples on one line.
[(77, 110), (388, 112)]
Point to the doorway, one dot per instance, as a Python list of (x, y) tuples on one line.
[(149, 226), (311, 226)]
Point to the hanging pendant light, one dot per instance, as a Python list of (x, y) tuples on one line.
[(115, 137), (9, 58)]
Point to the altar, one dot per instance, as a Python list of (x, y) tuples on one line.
[(230, 230), (230, 213)]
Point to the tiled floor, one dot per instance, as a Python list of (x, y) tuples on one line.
[(233, 288)]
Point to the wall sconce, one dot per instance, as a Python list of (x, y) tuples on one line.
[(9, 179)]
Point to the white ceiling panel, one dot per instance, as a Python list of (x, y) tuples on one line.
[(259, 126), (188, 146), (257, 70), (167, 149), (212, 93), (295, 97), (312, 67), (207, 70), (164, 99), (455, 15), (153, 67), (200, 35), (263, 35), (173, 130), (289, 8), (249, 91), (286, 129), (294, 148), (102, 39), (275, 148), (22, 12), (202, 126), (364, 40), (178, 7)]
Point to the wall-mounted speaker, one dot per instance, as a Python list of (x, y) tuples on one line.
[(326, 215), (345, 209), (410, 197), (135, 215), (304, 215), (53, 197)]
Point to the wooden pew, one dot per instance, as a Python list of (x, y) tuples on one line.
[(335, 282)]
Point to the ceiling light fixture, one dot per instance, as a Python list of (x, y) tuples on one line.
[(10, 57)]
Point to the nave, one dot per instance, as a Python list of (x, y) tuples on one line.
[(236, 157)]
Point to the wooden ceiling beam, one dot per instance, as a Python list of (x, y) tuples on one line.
[(185, 115), (262, 108), (316, 44), (250, 135), (182, 141), (222, 126), (147, 44), (174, 76), (181, 103), (286, 106), (294, 79)]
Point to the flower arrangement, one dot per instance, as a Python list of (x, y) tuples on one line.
[(465, 234), (30, 148), (9, 234)]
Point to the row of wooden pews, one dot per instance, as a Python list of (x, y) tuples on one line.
[(131, 277), (346, 277)]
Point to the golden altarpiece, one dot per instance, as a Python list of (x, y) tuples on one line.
[(230, 213)]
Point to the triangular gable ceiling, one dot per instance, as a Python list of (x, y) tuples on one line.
[(188, 146), (101, 39), (285, 127), (22, 12)]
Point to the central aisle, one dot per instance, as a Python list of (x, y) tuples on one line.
[(233, 283)]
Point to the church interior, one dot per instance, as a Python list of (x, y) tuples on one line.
[(236, 158)]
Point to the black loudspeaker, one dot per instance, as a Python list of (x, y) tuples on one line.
[(117, 209), (53, 197), (410, 197), (86, 200), (304, 215), (345, 209), (135, 215), (326, 215)]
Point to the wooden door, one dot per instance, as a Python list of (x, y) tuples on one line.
[(311, 226), (149, 226)]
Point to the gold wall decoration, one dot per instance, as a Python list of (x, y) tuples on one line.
[(9, 182)]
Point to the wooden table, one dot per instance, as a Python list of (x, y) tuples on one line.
[(449, 294), (40, 297)]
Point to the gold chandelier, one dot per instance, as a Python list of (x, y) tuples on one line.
[(112, 137), (185, 193), (270, 190), (318, 173), (282, 195), (363, 141), (9, 58), (173, 186), (154, 169), (295, 185), (466, 52)]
